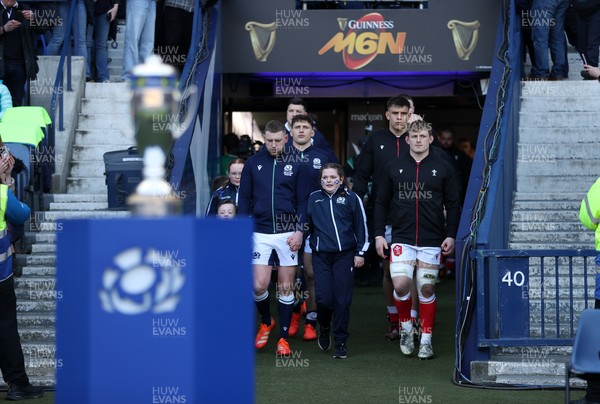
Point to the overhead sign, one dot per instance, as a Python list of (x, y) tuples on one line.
[(273, 36)]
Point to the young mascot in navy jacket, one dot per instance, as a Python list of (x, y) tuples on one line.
[(337, 226)]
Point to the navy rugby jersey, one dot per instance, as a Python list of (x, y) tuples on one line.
[(274, 191)]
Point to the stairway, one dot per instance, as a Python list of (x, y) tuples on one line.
[(557, 163), (104, 125)]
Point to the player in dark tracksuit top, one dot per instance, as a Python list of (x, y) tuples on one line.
[(313, 158), (337, 226), (381, 147), (274, 190), (413, 195)]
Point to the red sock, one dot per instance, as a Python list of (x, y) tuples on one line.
[(394, 317), (427, 313), (403, 307)]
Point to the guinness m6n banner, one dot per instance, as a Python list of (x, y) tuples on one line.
[(279, 36)]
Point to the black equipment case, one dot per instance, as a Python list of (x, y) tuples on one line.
[(123, 171)]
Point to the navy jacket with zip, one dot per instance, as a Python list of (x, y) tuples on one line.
[(227, 192), (274, 191), (337, 222), (314, 158)]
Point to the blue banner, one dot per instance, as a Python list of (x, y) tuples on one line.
[(144, 314)]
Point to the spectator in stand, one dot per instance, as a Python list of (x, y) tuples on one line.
[(548, 32), (105, 12), (588, 33), (80, 19), (524, 13), (140, 18), (178, 19), (18, 50), (229, 191), (12, 361), (5, 99)]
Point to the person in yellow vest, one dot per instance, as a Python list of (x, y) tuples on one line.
[(12, 361), (589, 215)]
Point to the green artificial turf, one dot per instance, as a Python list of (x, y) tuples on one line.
[(376, 371)]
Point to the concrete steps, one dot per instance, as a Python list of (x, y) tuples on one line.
[(556, 164), (565, 181), (36, 288), (105, 124)]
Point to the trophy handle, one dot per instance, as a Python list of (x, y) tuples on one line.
[(188, 105)]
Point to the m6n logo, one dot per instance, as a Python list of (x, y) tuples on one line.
[(360, 48)]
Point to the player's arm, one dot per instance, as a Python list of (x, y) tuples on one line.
[(382, 203), (361, 231), (452, 202)]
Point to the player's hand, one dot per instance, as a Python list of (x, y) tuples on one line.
[(448, 246), (295, 241), (359, 261), (381, 245)]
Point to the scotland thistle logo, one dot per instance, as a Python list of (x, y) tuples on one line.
[(142, 281)]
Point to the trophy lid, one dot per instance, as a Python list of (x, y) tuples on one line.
[(153, 73)]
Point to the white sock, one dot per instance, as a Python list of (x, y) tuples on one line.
[(425, 339), (406, 326)]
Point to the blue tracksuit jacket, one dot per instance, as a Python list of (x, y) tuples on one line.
[(337, 222), (274, 191)]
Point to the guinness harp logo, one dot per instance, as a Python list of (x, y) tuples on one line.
[(343, 23), (262, 38), (465, 35)]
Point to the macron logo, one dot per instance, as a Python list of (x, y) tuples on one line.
[(259, 167), (381, 146)]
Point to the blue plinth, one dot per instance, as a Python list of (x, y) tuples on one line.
[(155, 311)]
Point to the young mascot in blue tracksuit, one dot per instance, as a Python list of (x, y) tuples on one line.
[(337, 226)]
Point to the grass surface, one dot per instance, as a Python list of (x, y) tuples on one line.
[(376, 371)]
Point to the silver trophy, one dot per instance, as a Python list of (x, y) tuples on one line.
[(155, 104)]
